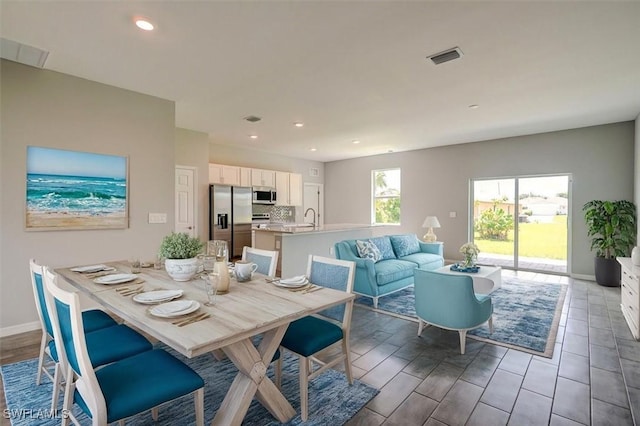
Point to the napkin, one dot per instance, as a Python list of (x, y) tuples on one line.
[(157, 295), (300, 279), (170, 308), (90, 268), (116, 277)]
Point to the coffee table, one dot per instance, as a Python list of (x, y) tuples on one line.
[(485, 281)]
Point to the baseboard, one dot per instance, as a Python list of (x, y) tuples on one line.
[(583, 277), (17, 329)]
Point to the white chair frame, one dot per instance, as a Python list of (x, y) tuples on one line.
[(273, 254)]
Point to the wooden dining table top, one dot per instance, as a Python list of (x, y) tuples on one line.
[(248, 309)]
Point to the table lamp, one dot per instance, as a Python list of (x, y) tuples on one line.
[(430, 222)]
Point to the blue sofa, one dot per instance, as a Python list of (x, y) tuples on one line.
[(392, 268)]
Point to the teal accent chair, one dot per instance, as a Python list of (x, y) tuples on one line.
[(267, 260), (448, 301), (309, 336), (122, 388)]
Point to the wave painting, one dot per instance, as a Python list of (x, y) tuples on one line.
[(75, 190)]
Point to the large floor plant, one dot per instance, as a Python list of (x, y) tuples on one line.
[(612, 229)]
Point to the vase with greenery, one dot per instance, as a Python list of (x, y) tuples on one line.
[(179, 251), (611, 225)]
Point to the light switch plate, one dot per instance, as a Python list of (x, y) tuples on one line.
[(157, 218), (452, 214)]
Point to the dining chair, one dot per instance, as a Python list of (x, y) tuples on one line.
[(311, 336), (121, 388), (94, 319), (267, 260), (105, 345)]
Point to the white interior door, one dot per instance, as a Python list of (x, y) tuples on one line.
[(314, 198), (185, 200)]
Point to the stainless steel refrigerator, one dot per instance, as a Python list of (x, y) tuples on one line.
[(230, 212)]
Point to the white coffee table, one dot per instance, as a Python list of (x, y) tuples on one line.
[(485, 281)]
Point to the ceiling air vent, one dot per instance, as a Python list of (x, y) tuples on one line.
[(446, 56), (18, 52), (252, 118)]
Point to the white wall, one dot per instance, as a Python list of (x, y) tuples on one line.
[(49, 109), (636, 180), (436, 181)]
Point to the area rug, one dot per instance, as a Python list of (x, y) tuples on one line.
[(331, 399), (525, 314)]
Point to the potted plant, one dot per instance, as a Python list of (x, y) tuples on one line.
[(612, 228), (179, 251)]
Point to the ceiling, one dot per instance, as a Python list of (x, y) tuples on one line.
[(352, 70)]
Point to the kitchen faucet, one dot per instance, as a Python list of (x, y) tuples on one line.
[(314, 215)]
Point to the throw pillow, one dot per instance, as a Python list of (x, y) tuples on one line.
[(384, 245), (405, 245), (368, 250)]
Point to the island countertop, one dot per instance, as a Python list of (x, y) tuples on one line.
[(295, 229)]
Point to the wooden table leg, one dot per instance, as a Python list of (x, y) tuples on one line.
[(252, 381)]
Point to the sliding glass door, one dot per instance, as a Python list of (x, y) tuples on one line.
[(521, 222)]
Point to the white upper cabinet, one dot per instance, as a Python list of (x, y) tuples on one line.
[(245, 176), (288, 189), (227, 175), (261, 177)]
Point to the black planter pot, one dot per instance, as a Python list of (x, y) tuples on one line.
[(607, 272)]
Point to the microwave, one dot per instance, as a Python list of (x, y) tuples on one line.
[(264, 195)]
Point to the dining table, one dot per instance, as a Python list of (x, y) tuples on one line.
[(248, 309)]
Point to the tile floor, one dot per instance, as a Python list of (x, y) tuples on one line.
[(593, 377)]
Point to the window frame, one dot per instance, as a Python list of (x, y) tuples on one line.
[(374, 197)]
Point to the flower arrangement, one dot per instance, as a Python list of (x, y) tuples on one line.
[(470, 252), (180, 246)]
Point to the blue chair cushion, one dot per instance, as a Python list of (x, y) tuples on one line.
[(309, 335), (404, 245), (96, 319), (388, 271), (384, 245), (141, 382), (114, 343)]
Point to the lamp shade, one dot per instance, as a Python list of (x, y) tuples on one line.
[(431, 222)]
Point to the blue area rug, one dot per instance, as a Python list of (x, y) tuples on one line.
[(331, 399), (525, 314)]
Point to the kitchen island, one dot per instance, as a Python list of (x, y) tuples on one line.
[(296, 242)]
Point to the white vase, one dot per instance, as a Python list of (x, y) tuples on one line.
[(635, 256), (181, 269)]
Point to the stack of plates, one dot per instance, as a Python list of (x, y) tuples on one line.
[(115, 279), (293, 282), (157, 296), (175, 308)]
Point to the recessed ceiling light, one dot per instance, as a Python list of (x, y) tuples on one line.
[(356, 141), (313, 150), (298, 124), (144, 24), (474, 106), (253, 136)]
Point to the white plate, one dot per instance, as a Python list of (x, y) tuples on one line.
[(174, 309), (115, 279), (92, 268), (157, 296), (291, 283)]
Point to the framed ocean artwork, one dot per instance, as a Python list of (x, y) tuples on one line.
[(76, 190)]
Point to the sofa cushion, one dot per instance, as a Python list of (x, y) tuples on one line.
[(422, 259), (384, 245), (404, 245), (391, 270), (368, 250)]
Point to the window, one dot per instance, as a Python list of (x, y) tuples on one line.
[(386, 196)]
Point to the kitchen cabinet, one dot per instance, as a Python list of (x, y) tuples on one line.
[(630, 295), (288, 189), (226, 175), (266, 178), (245, 176)]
